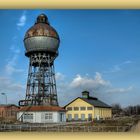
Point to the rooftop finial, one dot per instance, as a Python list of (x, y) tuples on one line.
[(42, 18)]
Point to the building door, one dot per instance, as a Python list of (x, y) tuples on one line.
[(82, 117), (89, 117), (61, 117), (69, 117), (22, 118), (76, 117)]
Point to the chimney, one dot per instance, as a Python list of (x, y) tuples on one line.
[(85, 94)]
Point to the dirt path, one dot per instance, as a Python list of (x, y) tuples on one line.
[(136, 128)]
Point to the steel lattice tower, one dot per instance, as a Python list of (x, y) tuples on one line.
[(41, 42)]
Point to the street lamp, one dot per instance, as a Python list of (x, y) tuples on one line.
[(5, 96)]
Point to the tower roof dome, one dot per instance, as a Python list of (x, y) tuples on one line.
[(41, 28)]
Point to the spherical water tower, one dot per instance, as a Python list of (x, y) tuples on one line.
[(41, 43)]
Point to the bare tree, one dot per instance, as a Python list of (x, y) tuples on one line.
[(116, 109)]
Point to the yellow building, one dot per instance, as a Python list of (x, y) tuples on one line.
[(87, 108)]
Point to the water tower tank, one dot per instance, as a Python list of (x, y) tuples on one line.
[(41, 37)]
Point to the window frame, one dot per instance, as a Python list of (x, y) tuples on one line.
[(48, 116), (69, 108), (82, 107), (77, 117), (28, 116), (69, 117), (84, 117), (76, 108), (91, 108)]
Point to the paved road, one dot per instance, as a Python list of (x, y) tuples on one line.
[(136, 128)]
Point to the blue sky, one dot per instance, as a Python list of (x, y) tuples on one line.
[(99, 52)]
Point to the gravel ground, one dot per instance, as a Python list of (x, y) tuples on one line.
[(136, 128)]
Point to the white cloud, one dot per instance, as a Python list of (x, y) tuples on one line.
[(10, 67), (14, 49), (69, 90), (86, 82), (8, 84), (118, 67), (14, 38), (97, 85), (14, 90), (59, 76), (127, 62), (115, 68), (119, 90), (16, 87), (22, 20)]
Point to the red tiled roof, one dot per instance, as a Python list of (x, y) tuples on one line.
[(42, 108)]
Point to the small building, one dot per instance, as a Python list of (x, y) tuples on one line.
[(87, 108), (8, 112), (41, 114)]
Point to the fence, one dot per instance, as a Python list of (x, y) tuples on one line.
[(45, 128)]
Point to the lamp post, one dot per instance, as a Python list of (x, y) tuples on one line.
[(5, 96)]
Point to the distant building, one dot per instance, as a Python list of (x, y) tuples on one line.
[(42, 114), (87, 108), (8, 112)]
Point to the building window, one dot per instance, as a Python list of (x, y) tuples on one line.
[(25, 116), (75, 117), (28, 116), (48, 116), (89, 108), (31, 116), (82, 117), (83, 108), (69, 108), (76, 108), (69, 117)]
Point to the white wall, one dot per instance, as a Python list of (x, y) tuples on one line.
[(39, 117)]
